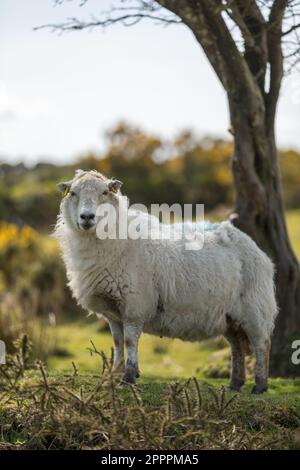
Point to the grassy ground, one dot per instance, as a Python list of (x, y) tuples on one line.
[(76, 406), (75, 409), (161, 359)]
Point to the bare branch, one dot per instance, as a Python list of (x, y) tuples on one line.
[(74, 24), (128, 15), (228, 30), (292, 28)]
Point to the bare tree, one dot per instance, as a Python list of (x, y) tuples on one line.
[(248, 43)]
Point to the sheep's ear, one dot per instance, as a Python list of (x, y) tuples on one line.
[(64, 187), (114, 185)]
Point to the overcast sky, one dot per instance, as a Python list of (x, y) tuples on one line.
[(58, 93)]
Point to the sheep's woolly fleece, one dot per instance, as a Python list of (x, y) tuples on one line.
[(171, 291)]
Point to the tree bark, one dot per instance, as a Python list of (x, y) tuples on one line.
[(260, 213)]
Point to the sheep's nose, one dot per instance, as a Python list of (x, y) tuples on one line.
[(87, 216)]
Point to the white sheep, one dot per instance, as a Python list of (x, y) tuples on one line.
[(159, 287)]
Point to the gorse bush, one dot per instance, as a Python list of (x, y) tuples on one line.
[(32, 283), (9, 234), (18, 247)]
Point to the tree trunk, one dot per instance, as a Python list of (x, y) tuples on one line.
[(260, 213), (259, 202)]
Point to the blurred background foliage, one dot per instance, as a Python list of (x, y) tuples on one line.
[(186, 170), (34, 297)]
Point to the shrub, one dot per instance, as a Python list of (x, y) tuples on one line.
[(32, 283)]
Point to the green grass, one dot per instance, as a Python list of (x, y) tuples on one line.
[(159, 357), (161, 360)]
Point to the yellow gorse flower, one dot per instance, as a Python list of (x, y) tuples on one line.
[(10, 235)]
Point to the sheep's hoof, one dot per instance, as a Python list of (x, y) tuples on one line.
[(129, 377), (259, 389)]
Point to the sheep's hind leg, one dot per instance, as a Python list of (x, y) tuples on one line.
[(238, 374), (262, 351), (116, 329), (132, 333)]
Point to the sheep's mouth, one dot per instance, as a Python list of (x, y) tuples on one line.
[(86, 226)]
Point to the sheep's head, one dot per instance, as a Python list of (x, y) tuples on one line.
[(82, 196)]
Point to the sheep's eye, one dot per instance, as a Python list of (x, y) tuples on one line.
[(105, 192), (72, 193)]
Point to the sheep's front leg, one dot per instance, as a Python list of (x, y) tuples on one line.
[(116, 329), (132, 333)]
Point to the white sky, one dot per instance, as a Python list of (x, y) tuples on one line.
[(58, 93)]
